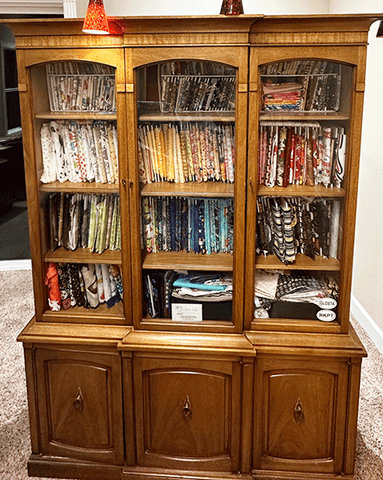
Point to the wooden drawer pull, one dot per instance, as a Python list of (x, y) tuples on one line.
[(298, 411), (79, 400), (187, 408)]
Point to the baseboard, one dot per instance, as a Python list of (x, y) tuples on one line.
[(6, 265), (366, 321)]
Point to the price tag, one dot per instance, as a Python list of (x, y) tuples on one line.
[(327, 303), (326, 315), (187, 312)]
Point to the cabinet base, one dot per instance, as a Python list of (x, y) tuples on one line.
[(141, 473), (53, 467), (273, 475)]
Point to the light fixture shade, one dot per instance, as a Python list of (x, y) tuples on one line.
[(96, 21), (231, 7), (380, 30)]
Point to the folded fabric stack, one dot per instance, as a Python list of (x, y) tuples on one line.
[(80, 285), (188, 224), (206, 287), (79, 151), (84, 221), (302, 85), (282, 96)]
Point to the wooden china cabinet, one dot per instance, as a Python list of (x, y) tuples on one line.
[(192, 187)]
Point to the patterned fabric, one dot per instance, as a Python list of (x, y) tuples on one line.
[(90, 284), (52, 282), (50, 173), (64, 283), (116, 275)]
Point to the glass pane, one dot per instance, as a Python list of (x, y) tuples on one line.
[(79, 173), (186, 146), (302, 167)]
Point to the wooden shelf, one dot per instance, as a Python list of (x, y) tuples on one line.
[(302, 262), (221, 262), (228, 117), (61, 255), (301, 190), (114, 314), (191, 189), (294, 325), (76, 115), (80, 187), (304, 116)]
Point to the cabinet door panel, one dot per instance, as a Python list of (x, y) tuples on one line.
[(79, 417), (80, 405), (188, 413), (181, 421), (303, 415)]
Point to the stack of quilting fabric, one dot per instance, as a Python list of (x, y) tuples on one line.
[(188, 224), (289, 294), (79, 151), (190, 152), (282, 96), (72, 284), (90, 221), (287, 226)]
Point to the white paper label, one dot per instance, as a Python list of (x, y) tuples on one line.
[(326, 315), (187, 312), (327, 303)]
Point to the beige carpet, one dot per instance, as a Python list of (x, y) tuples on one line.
[(16, 302)]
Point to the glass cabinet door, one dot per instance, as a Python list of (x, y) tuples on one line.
[(187, 167), (77, 170), (302, 166)]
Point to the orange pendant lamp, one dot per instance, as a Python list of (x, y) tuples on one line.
[(96, 21)]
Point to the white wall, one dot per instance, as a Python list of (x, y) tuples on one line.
[(40, 7), (204, 7), (356, 6)]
